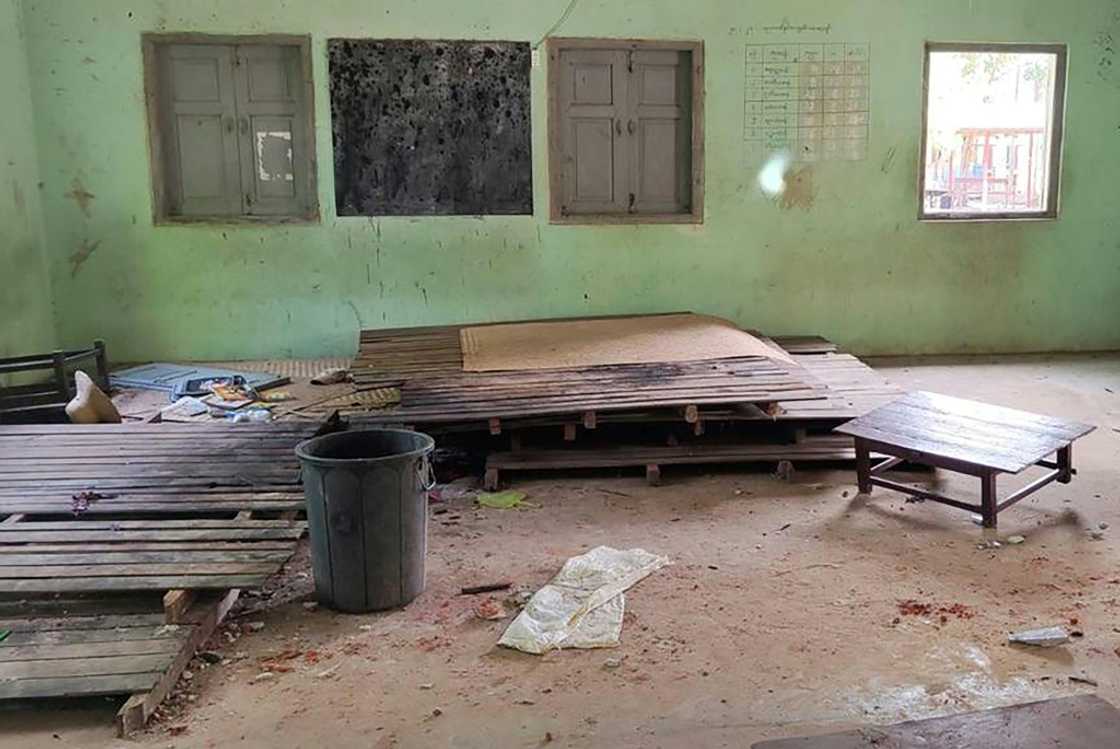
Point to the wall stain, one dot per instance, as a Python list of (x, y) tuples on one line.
[(888, 160), (80, 195), (799, 190), (19, 199), (77, 259)]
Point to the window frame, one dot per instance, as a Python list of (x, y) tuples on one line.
[(150, 44), (554, 46), (1057, 130)]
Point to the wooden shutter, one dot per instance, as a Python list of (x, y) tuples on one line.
[(592, 107), (271, 132), (200, 117), (660, 112)]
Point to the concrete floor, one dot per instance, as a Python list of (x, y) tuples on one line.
[(779, 616)]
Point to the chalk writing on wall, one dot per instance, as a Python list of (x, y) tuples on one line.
[(813, 100)]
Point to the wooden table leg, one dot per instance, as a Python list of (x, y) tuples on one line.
[(988, 499), (863, 466), (1065, 464)]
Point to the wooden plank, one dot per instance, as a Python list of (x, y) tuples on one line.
[(86, 649), (105, 584), (83, 637), (84, 667), (64, 570), (157, 524), (142, 558), (176, 603), (80, 686), (129, 536), (136, 711), (134, 546)]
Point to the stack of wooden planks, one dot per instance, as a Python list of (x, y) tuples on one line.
[(800, 402), (123, 546)]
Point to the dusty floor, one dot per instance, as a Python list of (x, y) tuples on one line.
[(779, 616)]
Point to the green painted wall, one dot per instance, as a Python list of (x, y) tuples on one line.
[(855, 266), (26, 324)]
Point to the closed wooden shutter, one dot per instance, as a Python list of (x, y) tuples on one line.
[(200, 111), (593, 101), (271, 133), (660, 121)]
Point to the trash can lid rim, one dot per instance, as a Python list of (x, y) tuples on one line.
[(301, 453)]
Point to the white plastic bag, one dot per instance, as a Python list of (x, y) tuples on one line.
[(582, 606)]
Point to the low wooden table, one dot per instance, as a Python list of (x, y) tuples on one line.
[(965, 436)]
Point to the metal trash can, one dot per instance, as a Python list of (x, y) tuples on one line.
[(367, 513)]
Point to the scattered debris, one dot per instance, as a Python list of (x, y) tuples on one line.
[(1096, 535), (486, 588), (4, 634), (989, 543), (263, 676), (582, 607), (612, 663), (426, 686), (507, 500), (81, 501), (254, 626), (915, 499), (911, 607), (1084, 680), (328, 672), (1047, 637), (436, 712), (784, 470), (1103, 526), (1015, 540), (211, 656), (491, 610), (332, 376), (310, 605), (524, 701)]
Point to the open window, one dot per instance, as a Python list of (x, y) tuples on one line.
[(992, 131)]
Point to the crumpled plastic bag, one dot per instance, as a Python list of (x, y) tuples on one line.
[(582, 606)]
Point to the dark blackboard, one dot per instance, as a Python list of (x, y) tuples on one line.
[(430, 127)]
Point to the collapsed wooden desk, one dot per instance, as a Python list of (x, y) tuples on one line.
[(967, 437)]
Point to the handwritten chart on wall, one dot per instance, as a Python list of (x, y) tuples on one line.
[(813, 100)]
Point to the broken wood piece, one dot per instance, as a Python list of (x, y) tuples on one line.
[(653, 474), (136, 711), (472, 590), (490, 479), (176, 603), (590, 420)]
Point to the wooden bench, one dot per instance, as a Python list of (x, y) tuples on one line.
[(967, 437)]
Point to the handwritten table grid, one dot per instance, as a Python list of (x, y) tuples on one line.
[(811, 99)]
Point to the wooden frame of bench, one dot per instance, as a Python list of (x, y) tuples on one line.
[(868, 476)]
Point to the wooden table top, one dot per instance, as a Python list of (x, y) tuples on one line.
[(994, 437)]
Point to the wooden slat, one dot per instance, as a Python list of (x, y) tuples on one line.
[(140, 558), (87, 649), (15, 572), (107, 584), (79, 686)]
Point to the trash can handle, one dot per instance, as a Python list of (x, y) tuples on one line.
[(425, 473)]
